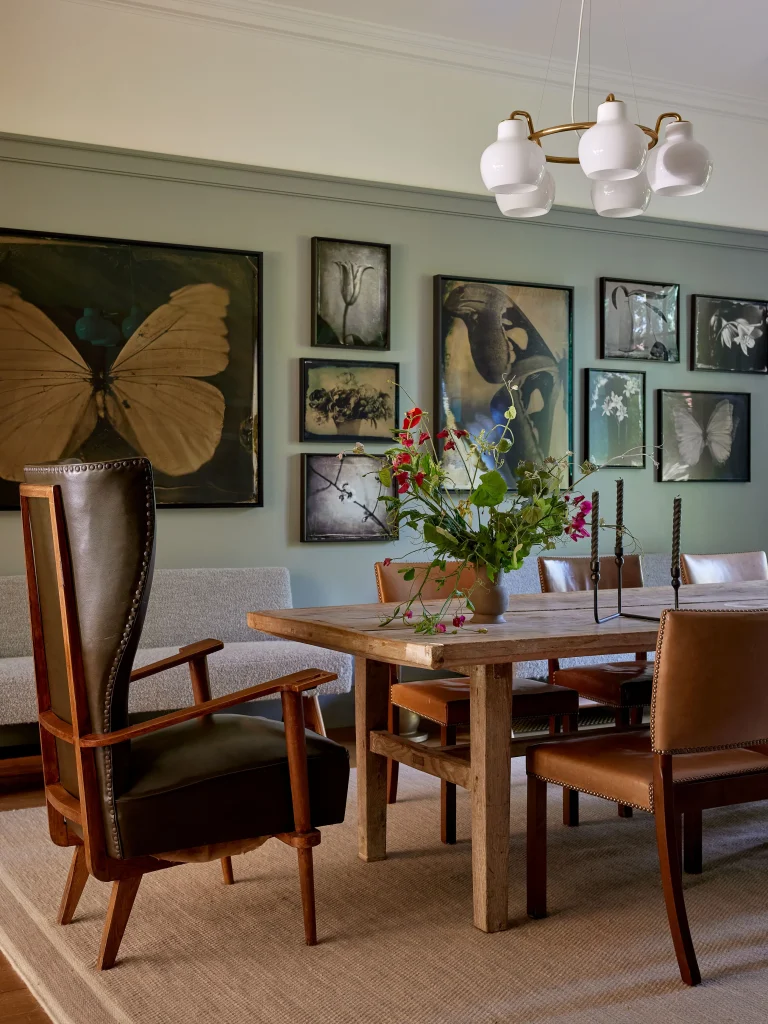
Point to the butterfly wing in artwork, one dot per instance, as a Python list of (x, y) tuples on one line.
[(155, 400), (47, 404), (720, 431), (690, 435)]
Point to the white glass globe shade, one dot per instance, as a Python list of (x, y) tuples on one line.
[(614, 148), (628, 198), (680, 166), (529, 204), (513, 163)]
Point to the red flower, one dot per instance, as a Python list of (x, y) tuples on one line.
[(399, 460), (419, 479), (440, 627), (407, 440), (442, 434), (412, 418), (408, 614), (402, 482), (459, 620), (387, 561), (423, 436), (448, 445), (461, 433)]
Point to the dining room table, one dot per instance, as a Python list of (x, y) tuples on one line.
[(536, 627)]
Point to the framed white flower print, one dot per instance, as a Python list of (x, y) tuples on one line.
[(614, 418)]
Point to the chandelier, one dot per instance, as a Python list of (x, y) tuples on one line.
[(625, 162)]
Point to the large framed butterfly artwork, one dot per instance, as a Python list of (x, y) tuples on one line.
[(109, 348), (703, 436)]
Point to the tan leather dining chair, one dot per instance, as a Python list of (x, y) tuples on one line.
[(446, 701), (735, 567), (694, 756)]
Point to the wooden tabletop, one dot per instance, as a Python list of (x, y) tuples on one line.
[(538, 626)]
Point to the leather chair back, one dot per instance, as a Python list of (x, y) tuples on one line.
[(392, 587), (700, 657), (738, 567), (558, 575), (109, 526)]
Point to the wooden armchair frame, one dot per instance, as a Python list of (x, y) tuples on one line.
[(65, 811)]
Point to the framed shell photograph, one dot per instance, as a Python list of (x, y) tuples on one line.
[(703, 435), (344, 400), (614, 418), (487, 333), (639, 320), (729, 335), (111, 348), (340, 499), (350, 294)]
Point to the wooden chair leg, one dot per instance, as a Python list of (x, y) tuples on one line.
[(73, 890), (635, 716), (692, 829), (536, 848), (447, 792), (554, 725), (226, 870), (570, 796), (120, 906), (671, 875), (307, 883), (393, 766), (313, 715), (622, 722)]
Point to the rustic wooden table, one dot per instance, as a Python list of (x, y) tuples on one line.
[(537, 627)]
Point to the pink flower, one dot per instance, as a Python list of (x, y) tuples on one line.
[(578, 498), (408, 614), (418, 479), (412, 418), (401, 459), (407, 440), (441, 434), (440, 627), (448, 445), (586, 507), (387, 561), (459, 620), (423, 436)]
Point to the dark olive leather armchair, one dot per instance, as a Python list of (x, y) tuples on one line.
[(191, 785)]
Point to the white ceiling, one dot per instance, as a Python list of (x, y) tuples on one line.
[(708, 44)]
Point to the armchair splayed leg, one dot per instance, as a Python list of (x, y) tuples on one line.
[(192, 785)]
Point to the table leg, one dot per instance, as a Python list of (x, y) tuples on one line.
[(490, 708), (371, 704)]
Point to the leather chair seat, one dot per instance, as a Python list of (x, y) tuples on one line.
[(619, 684), (446, 701), (220, 779), (620, 767)]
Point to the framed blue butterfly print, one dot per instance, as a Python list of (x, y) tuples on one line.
[(111, 348), (703, 436)]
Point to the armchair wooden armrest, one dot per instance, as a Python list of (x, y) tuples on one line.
[(192, 652), (295, 683)]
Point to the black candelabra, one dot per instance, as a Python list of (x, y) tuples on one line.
[(619, 555)]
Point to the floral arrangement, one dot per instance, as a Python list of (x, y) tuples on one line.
[(491, 529), (350, 400)]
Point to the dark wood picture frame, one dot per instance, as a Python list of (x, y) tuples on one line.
[(586, 412), (351, 365), (439, 353), (660, 392), (307, 536), (694, 345), (601, 319), (256, 367), (386, 247)]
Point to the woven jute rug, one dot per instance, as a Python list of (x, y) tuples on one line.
[(397, 943)]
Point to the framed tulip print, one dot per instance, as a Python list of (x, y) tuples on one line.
[(341, 499), (729, 335), (350, 294), (488, 333), (639, 320), (703, 435), (111, 348), (344, 400)]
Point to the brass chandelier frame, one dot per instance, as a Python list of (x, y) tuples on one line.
[(537, 136)]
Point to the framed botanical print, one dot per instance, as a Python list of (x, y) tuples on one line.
[(614, 418), (703, 435), (348, 401), (341, 499), (488, 333), (729, 335), (350, 294), (111, 348), (639, 320)]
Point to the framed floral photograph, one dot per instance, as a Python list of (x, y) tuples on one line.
[(703, 435), (729, 335), (340, 499), (488, 332), (614, 418), (350, 294), (639, 320), (348, 401)]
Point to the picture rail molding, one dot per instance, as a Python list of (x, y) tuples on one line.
[(332, 30)]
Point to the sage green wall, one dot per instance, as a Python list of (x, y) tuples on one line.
[(54, 187)]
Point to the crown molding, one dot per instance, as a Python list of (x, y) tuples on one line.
[(314, 28)]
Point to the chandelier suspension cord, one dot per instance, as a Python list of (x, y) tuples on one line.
[(576, 64), (629, 59), (549, 62), (589, 62)]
